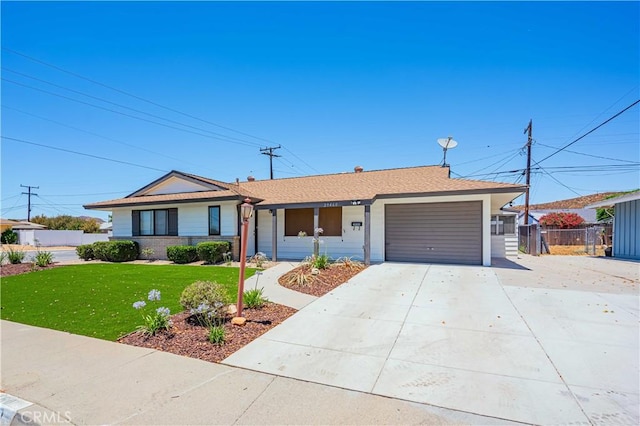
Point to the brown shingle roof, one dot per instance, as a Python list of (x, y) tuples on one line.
[(341, 187), (366, 185), (571, 203)]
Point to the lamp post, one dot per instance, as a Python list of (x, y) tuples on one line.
[(246, 211)]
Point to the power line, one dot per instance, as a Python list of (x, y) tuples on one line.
[(74, 74), (98, 135), (591, 131), (83, 154), (124, 114), (98, 98), (509, 154), (587, 155), (130, 94), (560, 169)]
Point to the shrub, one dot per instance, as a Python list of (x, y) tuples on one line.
[(9, 237), (85, 252), (259, 258), (148, 253), (212, 251), (562, 220), (350, 263), (217, 335), (254, 299), (321, 261), (204, 298), (3, 257), (15, 256), (43, 258), (115, 251), (182, 254)]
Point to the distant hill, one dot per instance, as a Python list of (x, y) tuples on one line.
[(97, 219), (571, 203)]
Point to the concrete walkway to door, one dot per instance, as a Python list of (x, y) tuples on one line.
[(452, 336)]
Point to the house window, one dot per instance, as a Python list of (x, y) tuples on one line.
[(214, 220), (154, 222), (501, 225), (301, 220), (146, 222)]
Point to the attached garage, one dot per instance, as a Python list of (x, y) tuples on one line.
[(434, 232)]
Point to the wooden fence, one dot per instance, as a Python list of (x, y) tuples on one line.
[(600, 234)]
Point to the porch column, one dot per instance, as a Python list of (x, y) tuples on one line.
[(367, 235), (274, 234), (316, 224)]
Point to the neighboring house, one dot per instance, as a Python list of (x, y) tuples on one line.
[(7, 224), (24, 226), (589, 215), (626, 224), (414, 214)]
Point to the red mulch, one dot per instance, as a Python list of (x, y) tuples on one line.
[(188, 338), (322, 283), (22, 268)]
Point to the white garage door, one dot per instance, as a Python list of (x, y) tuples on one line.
[(434, 232)]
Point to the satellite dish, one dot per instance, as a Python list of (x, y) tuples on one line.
[(446, 143)]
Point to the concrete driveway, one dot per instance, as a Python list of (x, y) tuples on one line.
[(459, 337)]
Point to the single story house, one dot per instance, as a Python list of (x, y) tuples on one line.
[(7, 224), (417, 214), (626, 224)]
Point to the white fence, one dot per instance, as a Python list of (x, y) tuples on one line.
[(49, 238)]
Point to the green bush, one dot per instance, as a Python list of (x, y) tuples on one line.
[(320, 261), (212, 251), (115, 251), (15, 256), (205, 298), (217, 335), (85, 252), (254, 299), (9, 237), (43, 258), (182, 254)]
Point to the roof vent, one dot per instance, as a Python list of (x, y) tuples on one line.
[(251, 178), (237, 181), (358, 169)]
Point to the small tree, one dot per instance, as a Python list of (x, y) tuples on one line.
[(562, 220)]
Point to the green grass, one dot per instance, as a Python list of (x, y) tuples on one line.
[(96, 299)]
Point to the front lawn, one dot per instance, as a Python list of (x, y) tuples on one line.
[(96, 299)]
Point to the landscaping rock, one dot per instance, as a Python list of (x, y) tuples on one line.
[(238, 321)]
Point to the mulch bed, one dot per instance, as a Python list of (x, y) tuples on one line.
[(21, 268), (189, 339), (322, 283)]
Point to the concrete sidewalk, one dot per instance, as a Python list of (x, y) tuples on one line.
[(82, 380), (268, 279)]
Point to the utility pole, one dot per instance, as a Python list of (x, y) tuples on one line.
[(528, 130), (29, 193), (269, 151)]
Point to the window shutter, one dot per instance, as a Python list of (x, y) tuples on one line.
[(135, 223), (173, 222)]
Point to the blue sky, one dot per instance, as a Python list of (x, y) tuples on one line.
[(336, 84)]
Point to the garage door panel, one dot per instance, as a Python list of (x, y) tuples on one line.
[(434, 232)]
